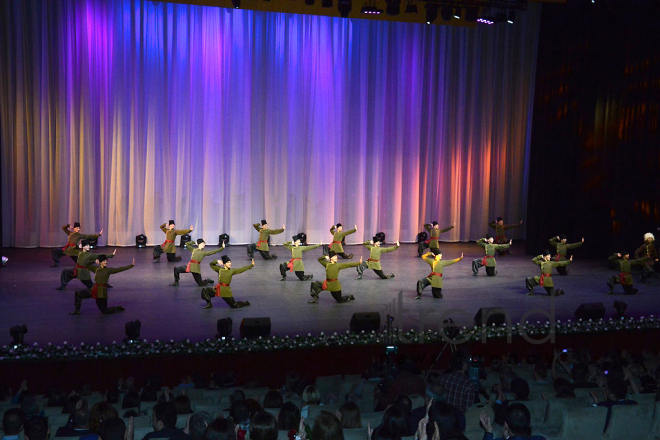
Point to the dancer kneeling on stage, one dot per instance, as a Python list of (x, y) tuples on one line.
[(559, 242), (500, 234), (338, 235), (624, 277), (434, 230), (195, 260), (489, 259), (222, 289), (262, 244), (168, 246), (373, 262), (434, 279), (295, 264), (99, 290), (331, 283), (85, 258), (71, 248), (545, 279), (648, 251)]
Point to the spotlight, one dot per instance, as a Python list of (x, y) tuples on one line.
[(223, 238), (141, 241), (393, 7), (620, 307), (511, 17), (326, 3), (446, 13), (93, 243), (431, 13), (17, 332), (303, 239), (236, 3), (381, 236), (457, 13), (3, 262), (224, 328), (132, 330), (411, 8), (345, 7), (471, 13), (185, 238)]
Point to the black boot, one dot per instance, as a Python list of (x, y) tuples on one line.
[(208, 305), (308, 277), (475, 267), (610, 285), (529, 283), (419, 290)]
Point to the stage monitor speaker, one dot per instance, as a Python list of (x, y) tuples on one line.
[(590, 311), (365, 322), (185, 238), (494, 315), (224, 328), (381, 237), (223, 238), (255, 327)]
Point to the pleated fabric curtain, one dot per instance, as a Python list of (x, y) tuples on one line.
[(123, 114)]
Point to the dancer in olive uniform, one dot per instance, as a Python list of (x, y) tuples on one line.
[(373, 262), (71, 248), (331, 283), (222, 289), (195, 260), (434, 231), (434, 279), (489, 259), (648, 251), (295, 264), (500, 234), (85, 258), (545, 280), (338, 235), (168, 246), (559, 242), (622, 259), (262, 244), (99, 290)]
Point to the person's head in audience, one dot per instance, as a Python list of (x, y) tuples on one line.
[(164, 416), (182, 404), (349, 414), (216, 380), (648, 384), (495, 363), (73, 402), (29, 405), (291, 385), (149, 395), (129, 384), (520, 388), (263, 426), (395, 423), (458, 363), (130, 413), (579, 372), (37, 429), (405, 403), (253, 407), (289, 417), (101, 411), (199, 380), (311, 396), (112, 396), (80, 418), (327, 427), (240, 414), (252, 382), (198, 423), (506, 377), (380, 433), (220, 429), (13, 421), (131, 400), (517, 421), (112, 429), (445, 417), (85, 389), (56, 397), (563, 388), (236, 396), (616, 389), (540, 372), (273, 399), (152, 383)]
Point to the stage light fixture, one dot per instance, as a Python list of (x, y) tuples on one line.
[(326, 3), (3, 262), (345, 7), (446, 13), (132, 330), (411, 8), (236, 3), (511, 17), (620, 307), (93, 243), (185, 238), (303, 239), (141, 241), (471, 13), (223, 327), (457, 13), (17, 333), (393, 7), (223, 238), (431, 13)]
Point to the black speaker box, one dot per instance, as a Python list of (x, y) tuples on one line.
[(224, 327), (588, 311), (255, 327), (223, 238), (185, 238), (365, 322), (497, 316)]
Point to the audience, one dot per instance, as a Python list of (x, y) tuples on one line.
[(131, 400), (273, 399), (79, 424), (310, 397), (263, 426), (349, 415), (37, 429), (407, 382), (517, 424), (182, 404), (220, 429), (13, 422), (327, 427), (112, 429), (164, 423), (198, 423), (443, 415), (289, 417), (291, 386), (459, 391), (101, 411), (615, 394)]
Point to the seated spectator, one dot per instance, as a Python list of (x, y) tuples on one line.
[(615, 394), (79, 425), (30, 407), (112, 396), (148, 396), (517, 425), (37, 429), (578, 374), (100, 411), (291, 386), (113, 429), (327, 427), (273, 399), (182, 404), (235, 397), (405, 404), (395, 424), (85, 390), (563, 388), (220, 429), (13, 422), (289, 417), (310, 397), (436, 392), (541, 373), (263, 426), (239, 414), (73, 402), (520, 391), (56, 397), (198, 423), (459, 391), (163, 420), (186, 382), (349, 415), (131, 400), (253, 407), (407, 382), (507, 375), (443, 415)]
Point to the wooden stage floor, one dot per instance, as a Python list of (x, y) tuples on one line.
[(28, 295)]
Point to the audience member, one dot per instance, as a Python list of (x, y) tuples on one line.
[(182, 404), (517, 425), (239, 414), (273, 399), (349, 415), (79, 425), (289, 417), (198, 423), (291, 386), (13, 422), (131, 400), (253, 407), (520, 391), (112, 396), (310, 397), (56, 397), (563, 388), (164, 422), (327, 427), (36, 428), (100, 411), (443, 415), (395, 424), (220, 429), (407, 382), (263, 426), (459, 391), (113, 429), (615, 394), (236, 396)]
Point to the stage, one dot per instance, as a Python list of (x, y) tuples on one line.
[(28, 295)]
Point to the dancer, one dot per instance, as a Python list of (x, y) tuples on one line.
[(337, 236), (262, 244), (489, 259), (500, 234), (434, 279), (85, 258), (559, 242), (373, 262), (434, 230), (168, 246), (648, 251), (99, 290), (545, 279), (295, 264), (71, 247), (624, 277), (195, 260), (331, 283), (222, 289)]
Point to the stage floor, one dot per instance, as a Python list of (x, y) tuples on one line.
[(28, 295)]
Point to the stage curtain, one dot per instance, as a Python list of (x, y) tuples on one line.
[(125, 114)]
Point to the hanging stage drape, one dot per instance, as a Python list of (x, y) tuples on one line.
[(123, 114)]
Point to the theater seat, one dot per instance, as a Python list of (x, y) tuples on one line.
[(630, 421)]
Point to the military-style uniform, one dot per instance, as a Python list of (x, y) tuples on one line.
[(545, 279), (432, 242), (99, 290), (295, 264), (331, 283), (193, 266), (489, 259), (434, 279), (85, 258), (624, 277), (262, 244), (336, 245), (562, 251), (168, 246), (71, 247), (648, 251), (373, 262), (500, 234), (222, 289)]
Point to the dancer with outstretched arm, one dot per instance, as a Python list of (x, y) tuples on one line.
[(85, 258), (71, 247), (434, 231), (99, 290), (373, 262), (500, 232), (193, 266), (223, 289), (545, 279), (559, 243), (489, 259), (338, 235), (434, 279), (262, 244), (331, 283), (168, 246), (295, 264)]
